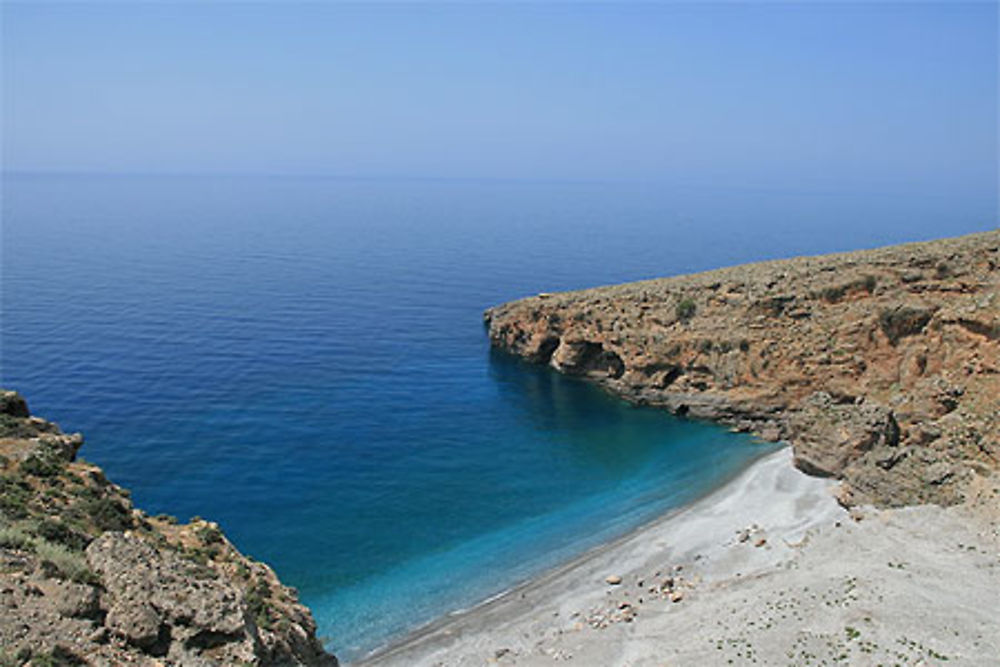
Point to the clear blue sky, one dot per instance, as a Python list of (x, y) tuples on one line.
[(874, 95)]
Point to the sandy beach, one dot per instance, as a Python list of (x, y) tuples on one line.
[(768, 569)]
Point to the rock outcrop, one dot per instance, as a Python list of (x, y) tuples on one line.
[(880, 367), (86, 578)]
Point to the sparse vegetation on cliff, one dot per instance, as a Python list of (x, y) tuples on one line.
[(97, 581)]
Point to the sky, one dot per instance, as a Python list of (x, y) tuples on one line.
[(829, 95)]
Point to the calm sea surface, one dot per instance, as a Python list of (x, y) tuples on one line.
[(304, 361)]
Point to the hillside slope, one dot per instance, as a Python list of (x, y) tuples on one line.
[(85, 578)]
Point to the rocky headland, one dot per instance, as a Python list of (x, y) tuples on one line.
[(86, 578), (880, 367)]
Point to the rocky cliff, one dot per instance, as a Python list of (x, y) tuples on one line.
[(86, 578), (880, 367)]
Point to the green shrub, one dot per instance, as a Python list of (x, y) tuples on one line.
[(59, 533), (258, 605), (903, 321), (63, 562), (685, 309), (15, 427), (59, 656), (107, 514), (12, 537), (209, 534), (84, 491), (14, 496), (833, 294), (38, 467)]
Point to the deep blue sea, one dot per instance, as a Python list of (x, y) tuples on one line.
[(303, 360)]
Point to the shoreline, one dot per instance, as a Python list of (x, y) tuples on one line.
[(505, 606), (769, 557)]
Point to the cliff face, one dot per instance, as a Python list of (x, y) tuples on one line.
[(880, 367), (85, 578)]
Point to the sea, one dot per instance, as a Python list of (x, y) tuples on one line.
[(303, 360)]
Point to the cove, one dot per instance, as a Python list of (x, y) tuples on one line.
[(548, 468), (303, 361)]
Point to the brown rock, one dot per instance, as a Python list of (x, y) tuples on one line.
[(828, 435), (137, 622), (838, 355)]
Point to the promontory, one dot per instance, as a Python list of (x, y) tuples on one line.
[(880, 367)]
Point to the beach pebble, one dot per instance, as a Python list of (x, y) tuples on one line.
[(613, 579)]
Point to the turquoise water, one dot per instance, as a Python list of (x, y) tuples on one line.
[(304, 361)]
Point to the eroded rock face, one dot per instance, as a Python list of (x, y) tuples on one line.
[(880, 367), (85, 578), (582, 357), (156, 597), (829, 435)]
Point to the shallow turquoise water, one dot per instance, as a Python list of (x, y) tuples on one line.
[(303, 360)]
